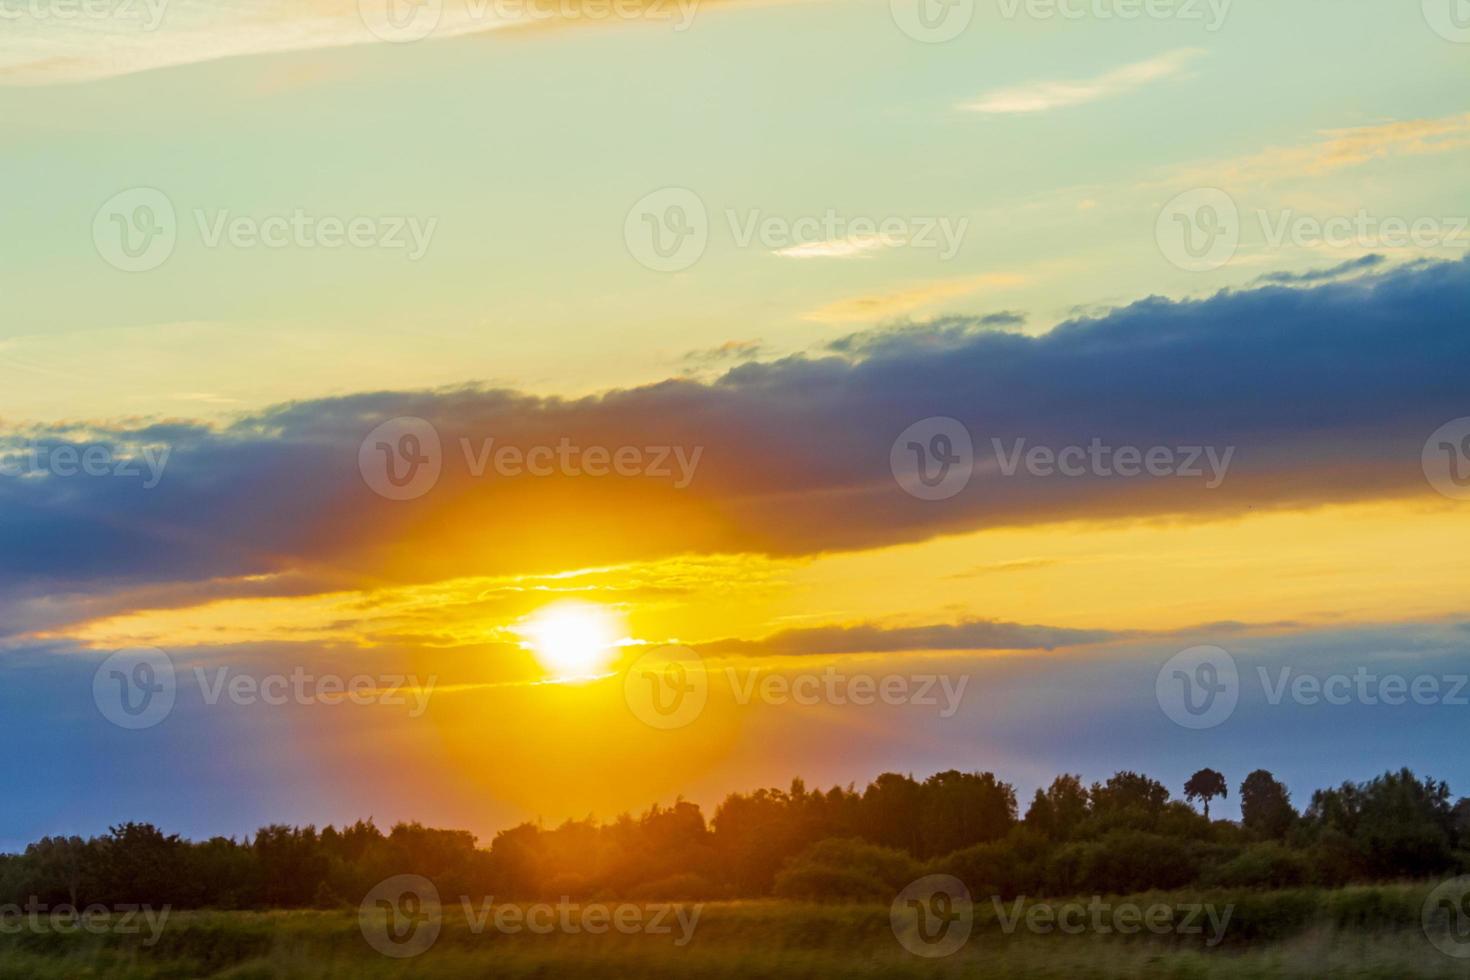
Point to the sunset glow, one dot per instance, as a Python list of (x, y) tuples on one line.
[(572, 640)]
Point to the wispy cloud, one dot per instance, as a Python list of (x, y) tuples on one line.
[(1334, 150), (122, 39), (841, 248), (730, 350), (1045, 96), (881, 305)]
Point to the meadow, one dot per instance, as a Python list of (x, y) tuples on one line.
[(1368, 931)]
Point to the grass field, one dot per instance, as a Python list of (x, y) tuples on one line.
[(1357, 932)]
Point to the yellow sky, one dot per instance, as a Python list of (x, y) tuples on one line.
[(1378, 562)]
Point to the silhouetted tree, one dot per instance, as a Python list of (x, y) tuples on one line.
[(1059, 810), (1118, 836), (1206, 785), (1265, 806), (1129, 795), (1398, 823)]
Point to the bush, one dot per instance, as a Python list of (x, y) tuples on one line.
[(1123, 861), (823, 884), (675, 888), (894, 868), (1006, 868), (845, 869), (1268, 865)]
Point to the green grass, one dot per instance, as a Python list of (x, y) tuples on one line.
[(1371, 932)]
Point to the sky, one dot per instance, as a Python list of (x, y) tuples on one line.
[(1006, 385)]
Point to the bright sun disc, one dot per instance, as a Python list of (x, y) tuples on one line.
[(572, 639)]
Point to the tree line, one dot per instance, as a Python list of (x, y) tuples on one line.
[(1123, 835)]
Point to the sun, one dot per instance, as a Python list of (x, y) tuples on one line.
[(572, 639)]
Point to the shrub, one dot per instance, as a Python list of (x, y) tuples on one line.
[(845, 869), (824, 884), (675, 888), (1268, 865)]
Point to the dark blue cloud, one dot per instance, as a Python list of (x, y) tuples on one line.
[(1326, 393)]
